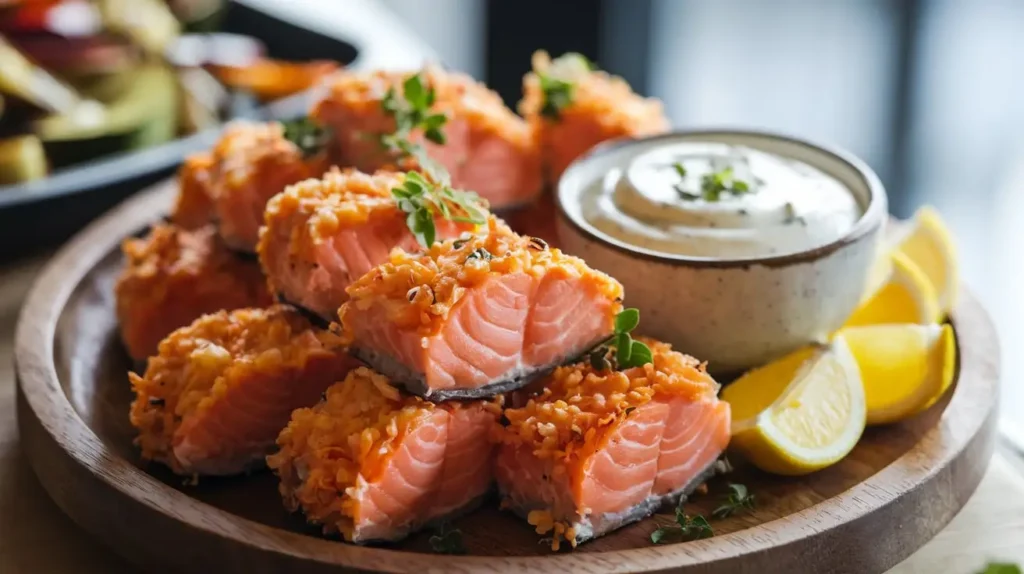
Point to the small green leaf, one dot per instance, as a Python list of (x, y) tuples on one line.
[(414, 91), (627, 320), (623, 349), (598, 359), (680, 169), (658, 535), (639, 354)]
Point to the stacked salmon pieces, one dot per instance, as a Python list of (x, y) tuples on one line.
[(409, 316)]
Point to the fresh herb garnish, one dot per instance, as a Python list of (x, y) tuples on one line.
[(421, 200), (739, 499), (628, 352), (557, 96), (680, 169), (685, 529), (1001, 568), (307, 135), (556, 85), (447, 540)]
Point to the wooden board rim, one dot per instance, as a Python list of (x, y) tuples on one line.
[(961, 448)]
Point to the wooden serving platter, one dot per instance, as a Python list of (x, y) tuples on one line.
[(891, 494)]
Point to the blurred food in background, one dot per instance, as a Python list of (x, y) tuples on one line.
[(82, 79)]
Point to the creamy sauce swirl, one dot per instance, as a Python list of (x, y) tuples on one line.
[(764, 205)]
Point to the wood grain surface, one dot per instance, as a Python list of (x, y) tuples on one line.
[(894, 492)]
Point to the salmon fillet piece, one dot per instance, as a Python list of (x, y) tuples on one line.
[(215, 397), (488, 148), (173, 276), (598, 449), (374, 465), (231, 184), (479, 315), (599, 107), (322, 234)]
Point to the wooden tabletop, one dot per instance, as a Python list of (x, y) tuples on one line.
[(36, 537)]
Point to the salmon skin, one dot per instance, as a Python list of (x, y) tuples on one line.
[(173, 276), (215, 397), (374, 465), (479, 315), (487, 149), (599, 108), (320, 235), (231, 184), (598, 449)]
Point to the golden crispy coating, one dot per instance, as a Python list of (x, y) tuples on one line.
[(174, 275)]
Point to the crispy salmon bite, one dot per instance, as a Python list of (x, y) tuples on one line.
[(375, 465), (320, 235), (479, 315), (461, 124), (231, 184), (215, 397), (173, 276), (599, 447), (571, 108)]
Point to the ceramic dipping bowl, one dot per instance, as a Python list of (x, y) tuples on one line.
[(735, 313)]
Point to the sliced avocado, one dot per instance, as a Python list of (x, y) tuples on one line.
[(21, 159), (145, 114)]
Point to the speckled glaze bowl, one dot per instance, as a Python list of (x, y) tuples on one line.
[(734, 313)]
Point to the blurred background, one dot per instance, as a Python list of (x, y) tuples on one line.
[(929, 92)]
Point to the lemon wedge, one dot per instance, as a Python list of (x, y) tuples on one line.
[(928, 243), (905, 368), (906, 297), (800, 413)]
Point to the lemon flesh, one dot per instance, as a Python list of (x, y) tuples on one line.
[(929, 244), (906, 297), (905, 368), (801, 413)]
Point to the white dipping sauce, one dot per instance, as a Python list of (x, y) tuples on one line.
[(770, 205)]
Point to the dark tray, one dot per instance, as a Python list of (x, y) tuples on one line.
[(41, 214)]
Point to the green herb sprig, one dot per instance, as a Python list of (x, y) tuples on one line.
[(307, 135), (558, 89), (685, 529), (411, 110), (421, 200), (424, 198), (447, 540), (738, 499), (627, 351)]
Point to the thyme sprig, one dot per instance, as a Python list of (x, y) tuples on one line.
[(424, 198), (738, 499), (307, 135), (685, 529), (556, 83)]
